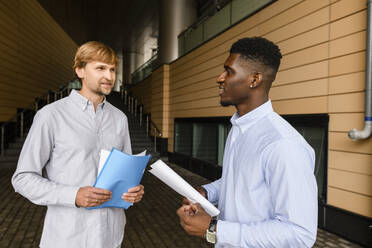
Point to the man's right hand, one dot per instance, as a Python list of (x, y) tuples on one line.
[(91, 197), (201, 190)]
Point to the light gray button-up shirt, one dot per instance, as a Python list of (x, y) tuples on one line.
[(66, 138), (267, 194)]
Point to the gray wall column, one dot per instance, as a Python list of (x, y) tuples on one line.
[(119, 73), (131, 61), (175, 16)]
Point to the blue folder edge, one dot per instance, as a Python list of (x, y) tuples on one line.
[(125, 204)]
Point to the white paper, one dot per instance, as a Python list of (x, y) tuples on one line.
[(104, 155), (177, 183)]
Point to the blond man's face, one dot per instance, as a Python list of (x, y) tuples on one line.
[(97, 77)]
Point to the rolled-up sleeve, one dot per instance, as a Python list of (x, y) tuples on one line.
[(28, 180)]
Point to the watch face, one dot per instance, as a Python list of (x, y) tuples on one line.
[(211, 237)]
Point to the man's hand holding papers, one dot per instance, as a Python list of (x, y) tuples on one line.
[(177, 183), (90, 196), (134, 194), (194, 219)]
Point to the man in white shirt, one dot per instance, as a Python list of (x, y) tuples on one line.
[(66, 138), (267, 194)]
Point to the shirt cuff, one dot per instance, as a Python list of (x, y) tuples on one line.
[(67, 196), (228, 233), (211, 193)]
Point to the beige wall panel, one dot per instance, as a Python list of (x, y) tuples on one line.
[(353, 162), (306, 56), (13, 101), (341, 142), (157, 108), (353, 102), (347, 64), (350, 201), (355, 182), (301, 106), (348, 44), (7, 111), (204, 103), (300, 11), (307, 39), (302, 73), (207, 93), (309, 22), (346, 7), (213, 73), (216, 61), (220, 52), (264, 18), (28, 32), (347, 83), (204, 112), (346, 122), (203, 85), (299, 90), (8, 84), (233, 33), (348, 25)]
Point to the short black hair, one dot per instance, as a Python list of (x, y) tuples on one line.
[(258, 49)]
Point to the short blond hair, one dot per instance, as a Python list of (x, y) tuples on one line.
[(94, 51)]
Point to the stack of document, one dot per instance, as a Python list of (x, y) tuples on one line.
[(119, 172)]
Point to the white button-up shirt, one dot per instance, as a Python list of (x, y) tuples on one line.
[(267, 194), (66, 138)]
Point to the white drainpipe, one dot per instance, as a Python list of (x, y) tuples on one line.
[(366, 132)]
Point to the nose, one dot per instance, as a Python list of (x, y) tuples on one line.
[(109, 75), (221, 78)]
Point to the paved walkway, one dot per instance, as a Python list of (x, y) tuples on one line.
[(151, 223)]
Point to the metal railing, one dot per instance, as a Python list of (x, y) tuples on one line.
[(136, 109), (16, 125), (144, 70)]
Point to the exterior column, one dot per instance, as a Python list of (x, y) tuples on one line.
[(119, 73), (175, 16)]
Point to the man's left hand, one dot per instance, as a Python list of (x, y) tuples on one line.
[(134, 194), (194, 219)]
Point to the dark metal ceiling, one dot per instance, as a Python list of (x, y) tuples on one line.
[(118, 23), (123, 24)]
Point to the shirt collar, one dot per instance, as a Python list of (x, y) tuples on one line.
[(247, 120), (83, 102)]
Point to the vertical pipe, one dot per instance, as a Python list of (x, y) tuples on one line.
[(355, 134), (140, 115)]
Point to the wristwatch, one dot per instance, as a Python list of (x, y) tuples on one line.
[(211, 234)]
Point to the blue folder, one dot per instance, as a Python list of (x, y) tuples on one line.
[(120, 173)]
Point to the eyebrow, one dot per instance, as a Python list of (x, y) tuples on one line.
[(105, 65)]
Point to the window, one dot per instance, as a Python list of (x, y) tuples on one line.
[(314, 128), (202, 138)]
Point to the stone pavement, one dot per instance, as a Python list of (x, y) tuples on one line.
[(150, 223)]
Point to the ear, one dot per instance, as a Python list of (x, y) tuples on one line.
[(256, 79), (80, 72)]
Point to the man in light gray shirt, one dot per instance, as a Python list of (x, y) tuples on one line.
[(66, 138)]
